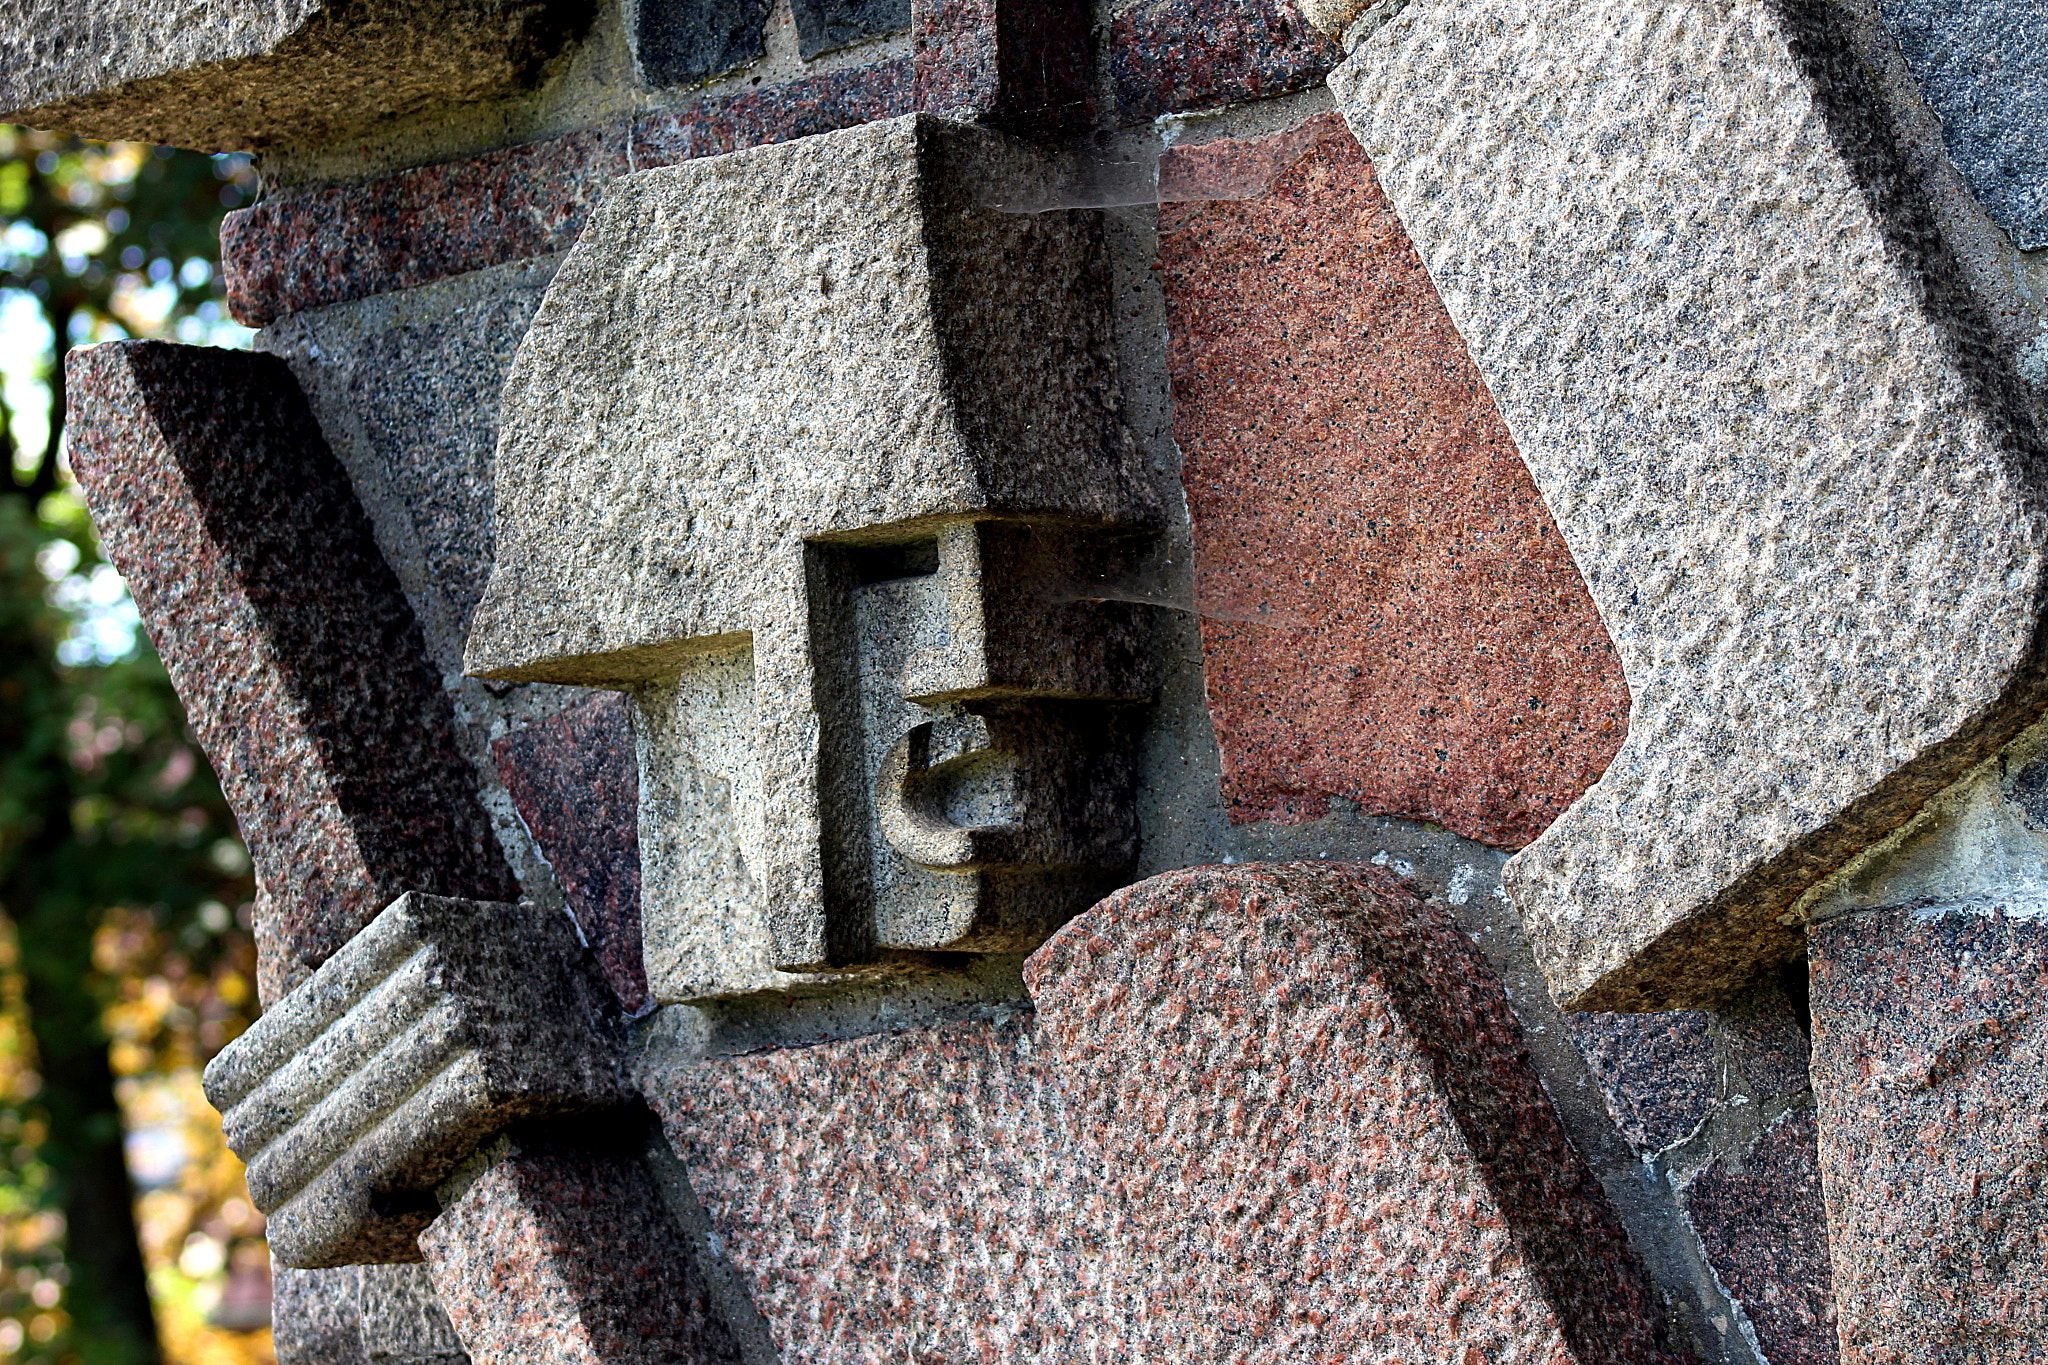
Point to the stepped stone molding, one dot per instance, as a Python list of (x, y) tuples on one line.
[(1808, 503), (220, 75), (356, 1095), (807, 449)]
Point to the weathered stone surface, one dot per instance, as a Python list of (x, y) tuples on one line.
[(1173, 56), (224, 74), (361, 1315), (562, 1255), (1805, 499), (573, 779), (1931, 1076), (827, 25), (681, 42), (1657, 1072), (1263, 1113), (1983, 65), (433, 1028), (1389, 613), (288, 639), (1018, 64), (1760, 1219), (859, 369)]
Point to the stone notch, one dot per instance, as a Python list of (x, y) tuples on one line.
[(1260, 1114), (818, 456), (221, 75), (358, 1093), (287, 636), (1808, 505)]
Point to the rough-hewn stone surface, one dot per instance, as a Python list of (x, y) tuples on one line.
[(1759, 1217), (1018, 64), (1657, 1072), (1800, 491), (826, 25), (563, 1255), (682, 42), (1983, 65), (573, 779), (1262, 1113), (1390, 614), (222, 74), (287, 637), (1930, 1053), (1171, 56), (440, 1023)]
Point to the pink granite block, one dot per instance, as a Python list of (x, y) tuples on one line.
[(1393, 617), (1266, 1113)]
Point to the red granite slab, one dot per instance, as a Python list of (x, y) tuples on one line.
[(1263, 1113), (1394, 618), (1175, 56)]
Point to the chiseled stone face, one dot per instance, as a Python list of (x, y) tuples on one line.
[(810, 451), (1807, 509), (224, 74)]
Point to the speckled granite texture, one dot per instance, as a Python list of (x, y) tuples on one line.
[(827, 25), (1266, 1113), (1931, 1076), (224, 74), (805, 108), (683, 42), (1391, 616), (287, 638), (1170, 56), (1023, 65), (1657, 1071), (1760, 1220), (573, 779), (1806, 498), (563, 1255)]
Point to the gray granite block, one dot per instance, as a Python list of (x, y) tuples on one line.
[(1983, 66), (444, 1020), (683, 42), (1807, 501), (224, 74), (808, 447), (826, 25)]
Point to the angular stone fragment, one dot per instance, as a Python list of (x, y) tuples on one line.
[(353, 1097), (1931, 1077), (1267, 1113), (287, 636), (1808, 505), (812, 452), (224, 74)]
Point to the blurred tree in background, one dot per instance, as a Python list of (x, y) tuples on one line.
[(125, 954)]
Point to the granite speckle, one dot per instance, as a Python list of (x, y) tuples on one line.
[(683, 42), (1173, 56), (1804, 493), (1759, 1217), (1657, 1072), (1265, 1113), (1390, 616), (1024, 65), (827, 25), (577, 789), (1931, 1077), (286, 635)]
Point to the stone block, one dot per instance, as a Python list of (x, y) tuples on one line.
[(904, 469), (576, 786), (1657, 1072), (564, 1256), (684, 42), (1930, 1072), (1176, 56), (287, 636), (1983, 66), (826, 25), (1759, 1216), (1803, 492), (431, 1030), (1389, 613), (1265, 1113), (1025, 65), (225, 74)]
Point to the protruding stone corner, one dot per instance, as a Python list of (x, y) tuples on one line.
[(226, 75), (356, 1095), (1810, 516)]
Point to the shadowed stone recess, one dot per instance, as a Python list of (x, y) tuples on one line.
[(439, 1024), (1931, 1078), (287, 637), (681, 42), (1169, 56), (1388, 611), (1804, 494), (826, 25), (574, 783), (1656, 1071), (1267, 1113), (1983, 66), (225, 74)]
